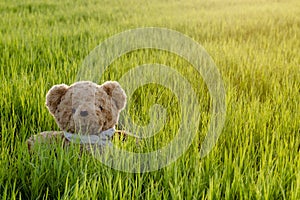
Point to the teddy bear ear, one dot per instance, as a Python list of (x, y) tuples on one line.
[(113, 89), (54, 96)]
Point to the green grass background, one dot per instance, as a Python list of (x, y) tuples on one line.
[(255, 45)]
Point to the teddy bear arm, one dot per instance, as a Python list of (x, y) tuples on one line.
[(46, 137)]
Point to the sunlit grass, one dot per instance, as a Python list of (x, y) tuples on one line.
[(255, 45)]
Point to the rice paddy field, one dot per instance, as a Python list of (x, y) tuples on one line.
[(255, 45)]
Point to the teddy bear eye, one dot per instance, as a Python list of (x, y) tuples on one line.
[(101, 108)]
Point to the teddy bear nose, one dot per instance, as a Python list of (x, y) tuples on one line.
[(84, 113)]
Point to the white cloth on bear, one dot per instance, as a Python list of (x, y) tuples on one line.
[(103, 139)]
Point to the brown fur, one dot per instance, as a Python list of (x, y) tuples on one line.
[(84, 107)]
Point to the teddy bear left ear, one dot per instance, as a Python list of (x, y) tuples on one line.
[(113, 89), (54, 96)]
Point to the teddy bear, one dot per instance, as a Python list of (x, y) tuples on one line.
[(85, 112)]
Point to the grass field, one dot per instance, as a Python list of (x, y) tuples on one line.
[(255, 45)]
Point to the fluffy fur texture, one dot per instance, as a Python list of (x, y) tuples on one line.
[(84, 107)]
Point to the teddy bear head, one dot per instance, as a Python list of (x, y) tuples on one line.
[(85, 107)]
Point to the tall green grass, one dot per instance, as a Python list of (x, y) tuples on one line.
[(255, 45)]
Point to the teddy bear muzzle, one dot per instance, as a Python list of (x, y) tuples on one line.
[(86, 120)]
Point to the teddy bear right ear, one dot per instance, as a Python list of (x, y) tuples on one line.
[(113, 89), (54, 96)]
